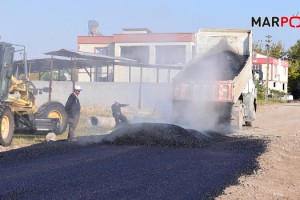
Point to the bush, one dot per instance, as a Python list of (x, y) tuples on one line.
[(276, 94), (261, 92)]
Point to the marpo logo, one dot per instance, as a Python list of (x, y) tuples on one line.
[(283, 21)]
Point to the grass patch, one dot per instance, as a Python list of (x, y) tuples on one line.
[(270, 101), (82, 130)]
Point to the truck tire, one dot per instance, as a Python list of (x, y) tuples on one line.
[(54, 109), (7, 125)]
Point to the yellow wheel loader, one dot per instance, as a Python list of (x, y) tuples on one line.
[(18, 112)]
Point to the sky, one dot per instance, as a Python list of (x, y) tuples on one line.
[(49, 25)]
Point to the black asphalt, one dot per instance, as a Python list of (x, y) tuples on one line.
[(60, 170)]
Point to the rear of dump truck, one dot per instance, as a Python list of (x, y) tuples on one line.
[(216, 88)]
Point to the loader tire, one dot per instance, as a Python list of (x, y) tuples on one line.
[(54, 109), (7, 125)]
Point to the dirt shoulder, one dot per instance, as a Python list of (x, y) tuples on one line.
[(279, 176)]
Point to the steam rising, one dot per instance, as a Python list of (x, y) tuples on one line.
[(189, 122), (221, 63)]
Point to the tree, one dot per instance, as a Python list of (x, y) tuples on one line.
[(293, 53), (55, 76), (293, 56), (276, 49), (261, 90), (257, 46)]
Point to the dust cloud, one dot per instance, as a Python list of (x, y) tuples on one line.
[(183, 123), (220, 63)]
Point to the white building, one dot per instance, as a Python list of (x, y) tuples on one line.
[(278, 71), (160, 49), (140, 44)]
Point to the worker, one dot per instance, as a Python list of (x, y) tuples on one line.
[(73, 109), (117, 114)]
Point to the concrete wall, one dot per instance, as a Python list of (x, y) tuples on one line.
[(153, 95)]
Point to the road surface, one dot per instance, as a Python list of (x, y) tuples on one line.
[(60, 170)]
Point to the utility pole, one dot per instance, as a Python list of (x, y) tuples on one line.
[(268, 62)]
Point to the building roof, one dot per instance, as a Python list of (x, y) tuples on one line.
[(81, 60), (87, 55), (78, 60), (92, 59), (141, 30), (272, 60), (137, 37), (44, 64)]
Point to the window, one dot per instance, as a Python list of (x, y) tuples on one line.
[(170, 54), (101, 51), (257, 68), (138, 53), (284, 70)]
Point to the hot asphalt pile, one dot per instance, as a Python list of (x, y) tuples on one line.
[(155, 134), (162, 135), (138, 161)]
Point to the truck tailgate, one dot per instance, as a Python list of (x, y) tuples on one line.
[(203, 91), (241, 80)]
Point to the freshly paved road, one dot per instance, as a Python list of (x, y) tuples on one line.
[(58, 170)]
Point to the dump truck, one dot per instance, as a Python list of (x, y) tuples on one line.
[(18, 112), (216, 87)]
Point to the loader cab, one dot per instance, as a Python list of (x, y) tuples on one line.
[(6, 68)]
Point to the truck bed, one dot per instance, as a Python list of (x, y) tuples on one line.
[(206, 92), (213, 77), (220, 66)]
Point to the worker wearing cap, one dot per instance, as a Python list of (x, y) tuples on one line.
[(117, 114), (73, 109)]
